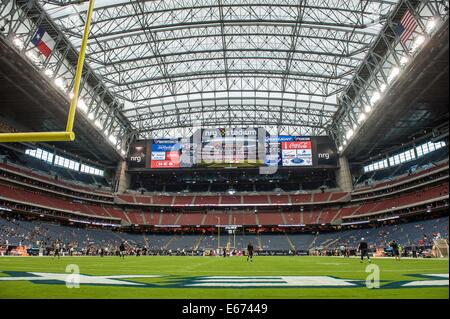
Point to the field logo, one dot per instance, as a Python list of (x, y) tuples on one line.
[(73, 280), (373, 279)]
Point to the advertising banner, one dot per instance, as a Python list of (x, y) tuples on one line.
[(297, 153), (165, 153)]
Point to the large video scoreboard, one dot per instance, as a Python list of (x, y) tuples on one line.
[(228, 148)]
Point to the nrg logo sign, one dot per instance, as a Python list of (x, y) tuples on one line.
[(136, 159)]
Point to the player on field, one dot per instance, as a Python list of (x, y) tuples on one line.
[(347, 251), (395, 250), (122, 250), (250, 252), (364, 250), (57, 250), (342, 250)]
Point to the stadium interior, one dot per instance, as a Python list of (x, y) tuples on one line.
[(353, 99)]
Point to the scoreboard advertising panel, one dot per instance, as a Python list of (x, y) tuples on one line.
[(165, 153), (229, 148)]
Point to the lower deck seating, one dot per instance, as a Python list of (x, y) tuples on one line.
[(29, 233)]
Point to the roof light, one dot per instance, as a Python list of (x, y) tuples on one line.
[(361, 117), (123, 152), (60, 83), (431, 25), (32, 56), (394, 73), (383, 87), (18, 43), (404, 60), (48, 73), (367, 108), (82, 106), (340, 148), (375, 97), (91, 116), (113, 139), (98, 124), (349, 133), (418, 42)]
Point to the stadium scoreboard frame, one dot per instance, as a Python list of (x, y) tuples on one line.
[(233, 148)]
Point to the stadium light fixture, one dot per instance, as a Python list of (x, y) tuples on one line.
[(375, 97), (68, 135), (361, 117), (367, 108), (349, 133), (18, 43), (340, 148), (394, 73), (418, 42), (98, 124), (112, 139), (383, 87), (82, 106), (404, 60), (91, 116), (33, 57), (60, 83), (431, 24), (48, 73)]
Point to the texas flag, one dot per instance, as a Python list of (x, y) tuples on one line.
[(43, 42)]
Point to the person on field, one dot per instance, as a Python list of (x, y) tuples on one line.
[(395, 250), (414, 250), (363, 248), (250, 252), (347, 251), (342, 250), (57, 250), (122, 250)]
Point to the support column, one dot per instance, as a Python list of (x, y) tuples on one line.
[(343, 176), (123, 179)]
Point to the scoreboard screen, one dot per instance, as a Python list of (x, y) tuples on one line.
[(165, 153), (233, 148)]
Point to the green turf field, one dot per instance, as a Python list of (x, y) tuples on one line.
[(215, 277)]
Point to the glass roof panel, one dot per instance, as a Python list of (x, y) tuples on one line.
[(189, 57)]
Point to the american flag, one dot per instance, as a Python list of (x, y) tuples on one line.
[(406, 26)]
